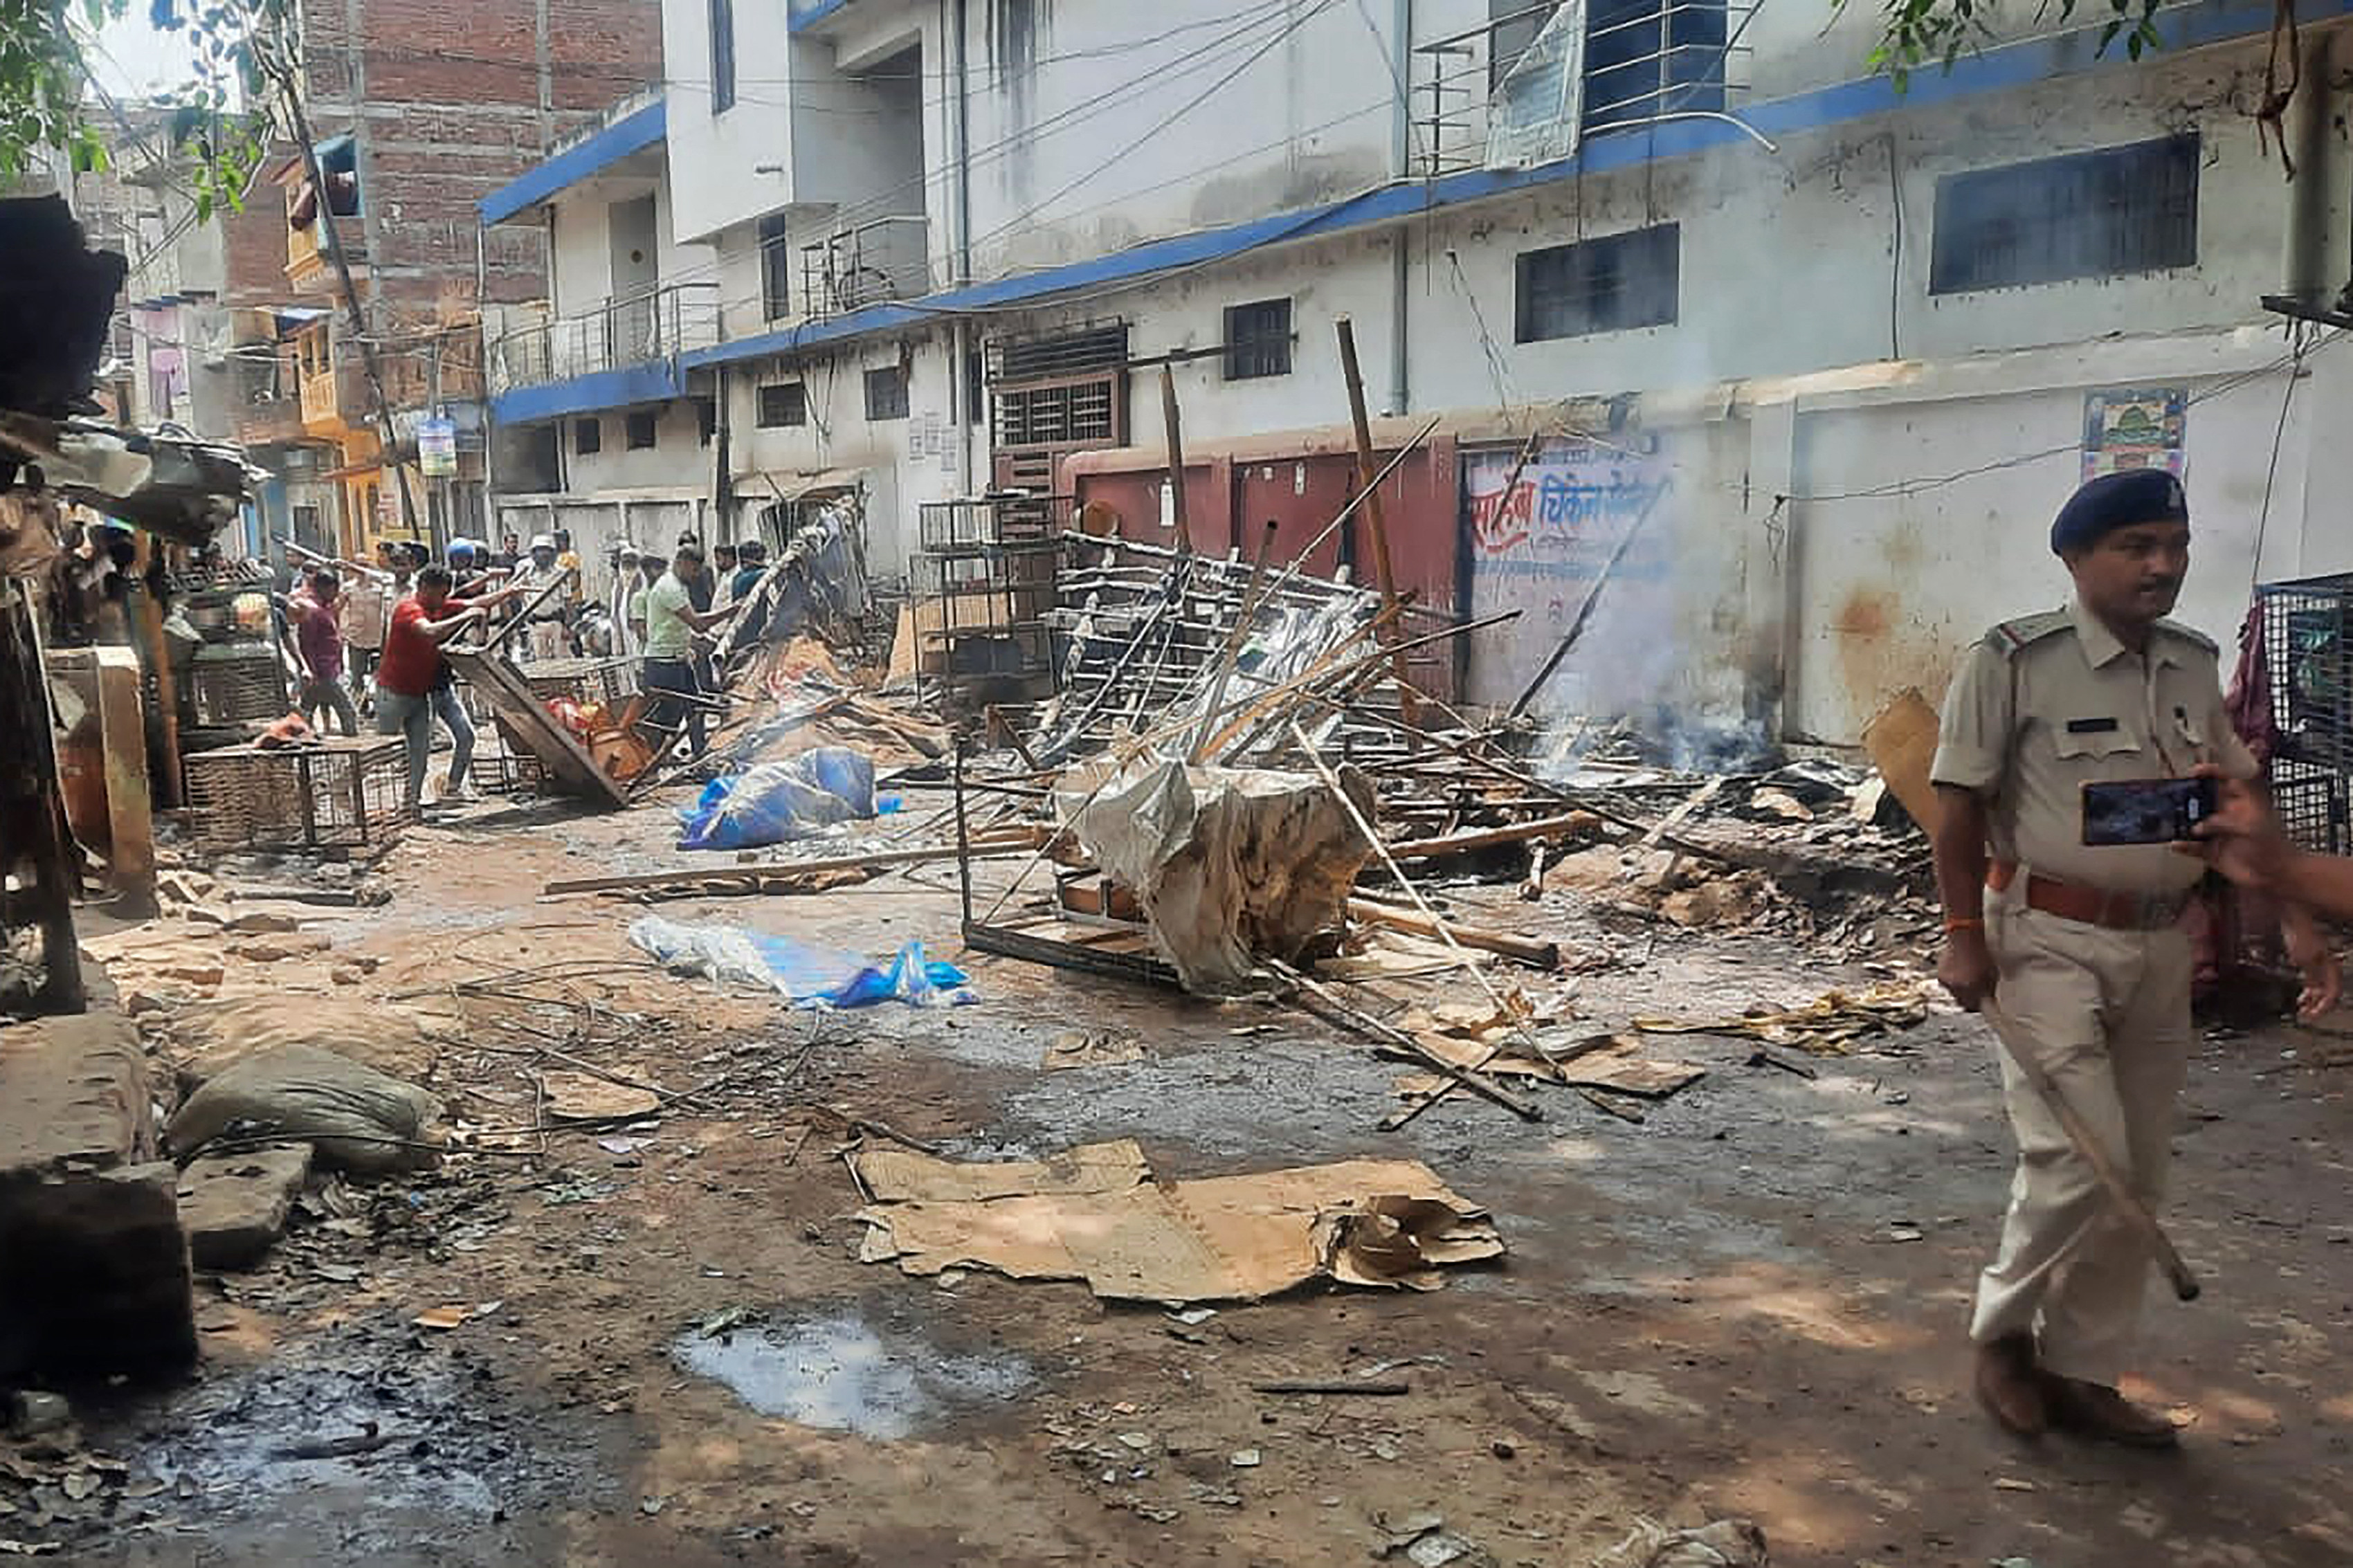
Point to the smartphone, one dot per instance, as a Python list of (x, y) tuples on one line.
[(2147, 811)]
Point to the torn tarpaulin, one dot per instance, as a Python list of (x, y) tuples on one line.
[(1227, 864), (1094, 1214), (771, 803), (807, 976)]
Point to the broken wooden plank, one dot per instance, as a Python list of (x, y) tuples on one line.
[(567, 761), (1019, 840), (1519, 949), (1488, 838), (1365, 1024)]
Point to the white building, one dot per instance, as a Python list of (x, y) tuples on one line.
[(1845, 348)]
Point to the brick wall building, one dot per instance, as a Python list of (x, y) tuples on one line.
[(427, 105)]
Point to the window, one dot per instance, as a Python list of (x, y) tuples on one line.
[(587, 436), (638, 432), (1648, 58), (886, 392), (1509, 36), (706, 420), (784, 403), (723, 56), (1609, 285), (776, 270), (975, 388), (2089, 214), (1258, 339)]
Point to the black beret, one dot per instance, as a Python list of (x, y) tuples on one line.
[(2117, 500)]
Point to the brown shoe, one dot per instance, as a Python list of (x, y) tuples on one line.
[(2010, 1387), (2094, 1410)]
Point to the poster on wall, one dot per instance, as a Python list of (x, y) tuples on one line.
[(437, 447), (2135, 430), (1541, 549)]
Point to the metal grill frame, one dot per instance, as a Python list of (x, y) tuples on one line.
[(2306, 627)]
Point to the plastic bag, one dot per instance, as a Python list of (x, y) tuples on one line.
[(807, 976), (771, 802)]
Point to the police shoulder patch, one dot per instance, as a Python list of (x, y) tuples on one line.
[(2011, 636), (2190, 634)]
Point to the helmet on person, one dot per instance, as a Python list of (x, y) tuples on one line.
[(543, 542)]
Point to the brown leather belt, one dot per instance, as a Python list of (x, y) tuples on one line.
[(2091, 906)]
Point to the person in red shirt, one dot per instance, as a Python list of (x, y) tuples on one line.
[(412, 666)]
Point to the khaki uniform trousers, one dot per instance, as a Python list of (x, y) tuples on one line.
[(2107, 1013)]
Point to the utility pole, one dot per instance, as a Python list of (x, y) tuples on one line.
[(287, 74)]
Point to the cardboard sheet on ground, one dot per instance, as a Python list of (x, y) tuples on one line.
[(1094, 1215)]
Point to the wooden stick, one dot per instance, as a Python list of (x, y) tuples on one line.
[(1437, 927), (1469, 1077), (1384, 572), (1176, 460), (1331, 1386), (1520, 949), (2086, 1140), (1243, 616), (1487, 837), (1026, 839)]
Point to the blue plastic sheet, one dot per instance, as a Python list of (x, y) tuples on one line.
[(772, 803), (807, 976)]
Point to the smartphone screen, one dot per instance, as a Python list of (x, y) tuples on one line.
[(2147, 811)]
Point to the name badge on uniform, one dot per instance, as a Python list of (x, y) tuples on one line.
[(2091, 726)]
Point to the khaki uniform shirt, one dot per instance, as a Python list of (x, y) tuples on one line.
[(2048, 703)]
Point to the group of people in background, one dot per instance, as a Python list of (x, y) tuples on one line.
[(371, 636)]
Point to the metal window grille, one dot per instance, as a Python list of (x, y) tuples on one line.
[(640, 431), (1069, 353), (1258, 339), (1607, 285), (2308, 647), (886, 392), (782, 403), (1644, 59), (2087, 214), (723, 56), (776, 270)]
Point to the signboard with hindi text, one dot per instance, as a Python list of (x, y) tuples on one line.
[(1541, 549)]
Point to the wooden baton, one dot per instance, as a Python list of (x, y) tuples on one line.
[(2087, 1144)]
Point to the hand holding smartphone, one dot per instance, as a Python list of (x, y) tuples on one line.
[(2148, 811)]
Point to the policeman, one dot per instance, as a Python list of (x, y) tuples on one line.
[(2080, 948)]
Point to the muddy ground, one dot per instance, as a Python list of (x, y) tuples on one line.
[(1750, 1303)]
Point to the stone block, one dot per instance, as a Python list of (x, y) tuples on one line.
[(93, 1264), (233, 1206)]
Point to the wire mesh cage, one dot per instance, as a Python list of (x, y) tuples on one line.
[(337, 793), (2308, 647), (978, 522), (238, 683), (982, 589), (609, 682), (510, 767)]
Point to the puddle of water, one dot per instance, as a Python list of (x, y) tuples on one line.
[(836, 1372)]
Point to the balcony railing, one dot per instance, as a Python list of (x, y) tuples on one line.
[(636, 329), (1527, 87), (269, 419), (887, 259), (309, 262), (333, 398)]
